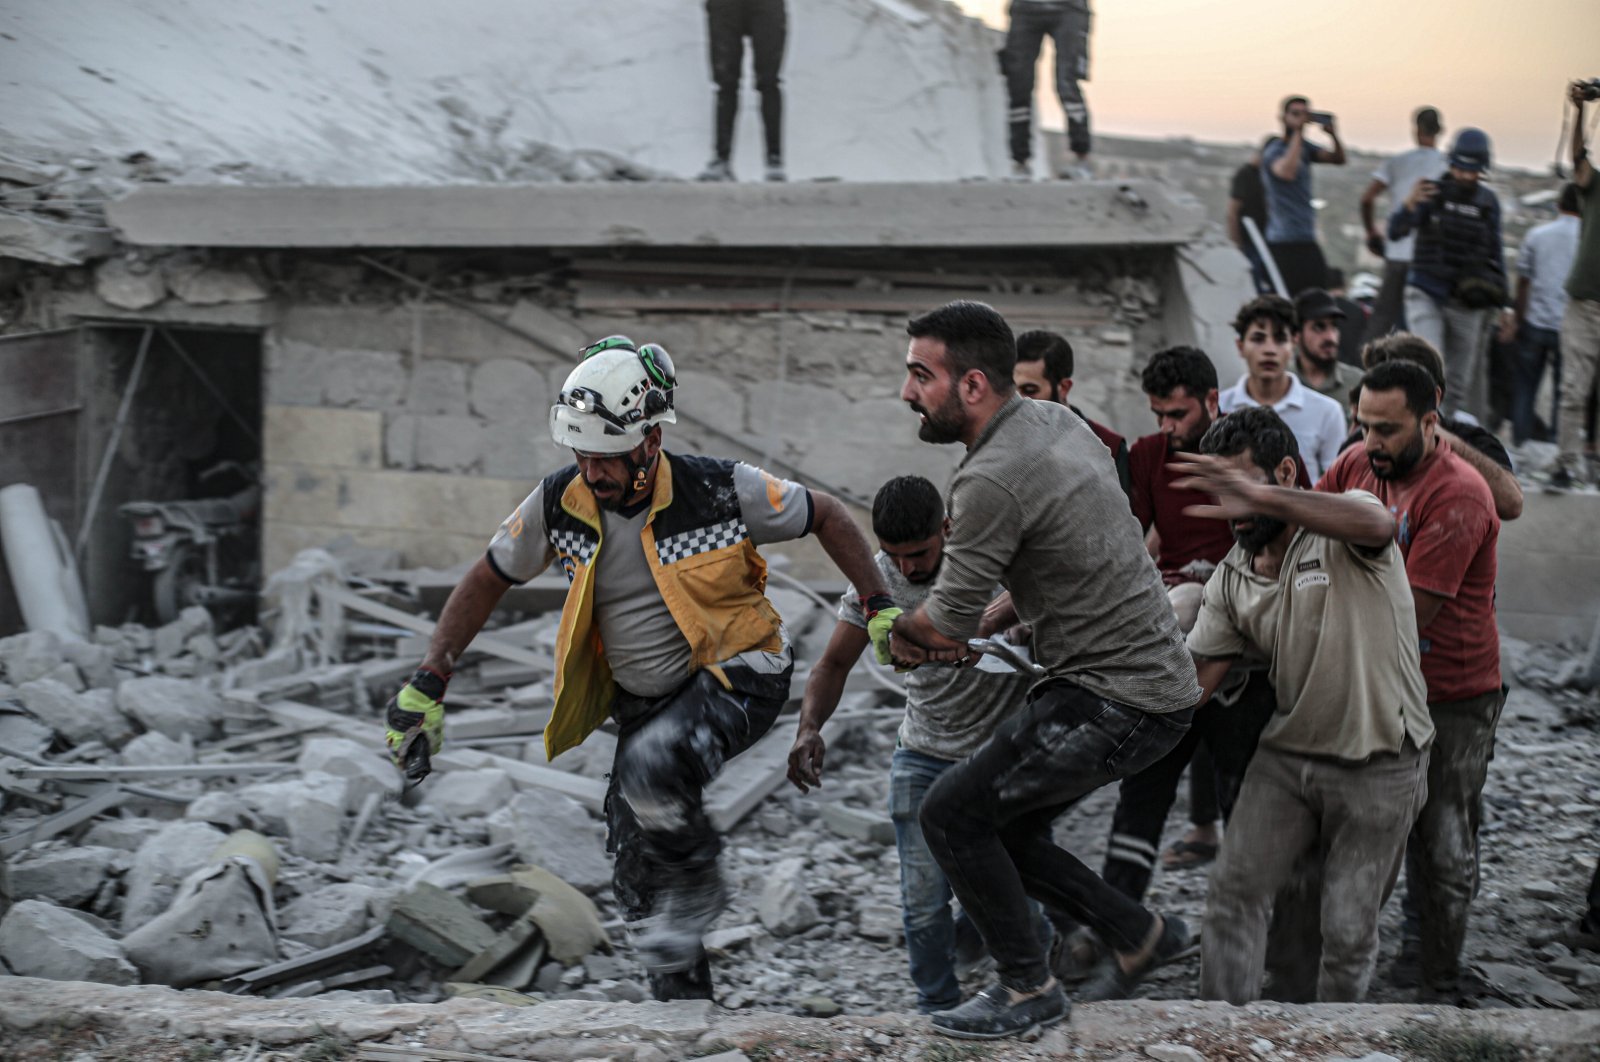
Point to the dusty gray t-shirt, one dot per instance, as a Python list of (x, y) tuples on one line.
[(1036, 505), (648, 654), (950, 711)]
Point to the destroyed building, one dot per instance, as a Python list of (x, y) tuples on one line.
[(371, 298)]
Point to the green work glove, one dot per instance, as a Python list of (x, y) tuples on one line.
[(419, 708), (881, 614)]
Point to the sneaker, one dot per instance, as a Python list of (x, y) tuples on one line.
[(1077, 955), (1077, 172), (1021, 171), (691, 983), (775, 171), (717, 170), (990, 1015), (1561, 481), (1111, 981)]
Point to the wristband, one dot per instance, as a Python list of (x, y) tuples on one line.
[(429, 683), (872, 604)]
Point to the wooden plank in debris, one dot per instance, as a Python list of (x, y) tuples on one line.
[(586, 791), (750, 777), (278, 972), (102, 799), (483, 643), (146, 772)]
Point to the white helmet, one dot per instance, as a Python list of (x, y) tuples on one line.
[(614, 397)]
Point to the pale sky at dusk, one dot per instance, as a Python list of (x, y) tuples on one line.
[(1216, 70)]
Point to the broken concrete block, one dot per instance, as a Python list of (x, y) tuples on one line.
[(129, 285), (508, 943), (439, 925), (38, 939), (365, 768), (722, 943), (172, 706), (68, 675), (554, 832), (154, 750), (314, 814), (220, 922), (785, 907), (128, 835), (213, 285), (161, 864), (567, 918), (41, 240), (96, 663), (77, 717), (880, 921), (220, 808), (268, 801), (329, 915), (469, 794), (857, 823), (65, 876)]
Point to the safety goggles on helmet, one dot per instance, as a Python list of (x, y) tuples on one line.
[(653, 357)]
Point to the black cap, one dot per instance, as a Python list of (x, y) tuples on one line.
[(1314, 303)]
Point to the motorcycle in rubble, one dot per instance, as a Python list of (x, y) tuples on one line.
[(200, 551)]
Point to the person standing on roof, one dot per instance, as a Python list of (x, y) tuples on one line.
[(666, 629), (728, 24), (1066, 23)]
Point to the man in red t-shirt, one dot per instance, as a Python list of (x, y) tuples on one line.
[(1447, 531), (1181, 384), (1044, 371)]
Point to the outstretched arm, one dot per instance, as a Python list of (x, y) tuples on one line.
[(1582, 168), (1334, 515), (823, 690)]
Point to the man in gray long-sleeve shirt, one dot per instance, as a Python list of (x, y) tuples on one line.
[(1036, 506)]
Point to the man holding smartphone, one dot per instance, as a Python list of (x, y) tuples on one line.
[(1286, 173)]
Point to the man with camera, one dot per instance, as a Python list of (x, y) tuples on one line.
[(1457, 281), (1580, 324), (1398, 175), (1291, 219)]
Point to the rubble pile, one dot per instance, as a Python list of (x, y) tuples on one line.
[(214, 810)]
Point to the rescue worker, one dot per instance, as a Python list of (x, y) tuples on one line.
[(666, 629)]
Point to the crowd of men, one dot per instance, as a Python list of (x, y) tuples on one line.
[(1444, 276)]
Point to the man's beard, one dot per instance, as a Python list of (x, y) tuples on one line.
[(944, 424), (1263, 531), (1402, 463), (1191, 441), (924, 578), (609, 502), (1323, 364)]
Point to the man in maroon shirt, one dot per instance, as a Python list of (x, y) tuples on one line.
[(1044, 371), (1447, 531), (1181, 384)]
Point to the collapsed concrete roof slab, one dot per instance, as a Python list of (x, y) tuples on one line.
[(822, 214)]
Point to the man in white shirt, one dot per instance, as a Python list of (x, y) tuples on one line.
[(1547, 254), (1398, 175), (1265, 328)]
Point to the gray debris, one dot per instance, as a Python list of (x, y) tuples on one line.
[(172, 706), (785, 907), (154, 749), (96, 663), (329, 915), (30, 655), (129, 285), (64, 876), (1169, 1052), (469, 794), (221, 922), (314, 813), (38, 939), (221, 809), (128, 835), (439, 925), (77, 717), (857, 824), (554, 832), (161, 864), (364, 767)]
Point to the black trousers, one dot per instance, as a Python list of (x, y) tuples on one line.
[(1067, 24), (1230, 732), (987, 821), (766, 24), (1301, 264)]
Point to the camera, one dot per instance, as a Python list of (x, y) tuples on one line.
[(1591, 88), (1325, 118)]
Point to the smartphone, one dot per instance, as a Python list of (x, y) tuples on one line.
[(1322, 118)]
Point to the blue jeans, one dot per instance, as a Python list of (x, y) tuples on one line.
[(1535, 348), (924, 890)]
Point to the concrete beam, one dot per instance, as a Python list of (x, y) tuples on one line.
[(822, 214)]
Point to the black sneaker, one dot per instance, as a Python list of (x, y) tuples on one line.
[(990, 1015), (1076, 955), (693, 983), (1111, 981)]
